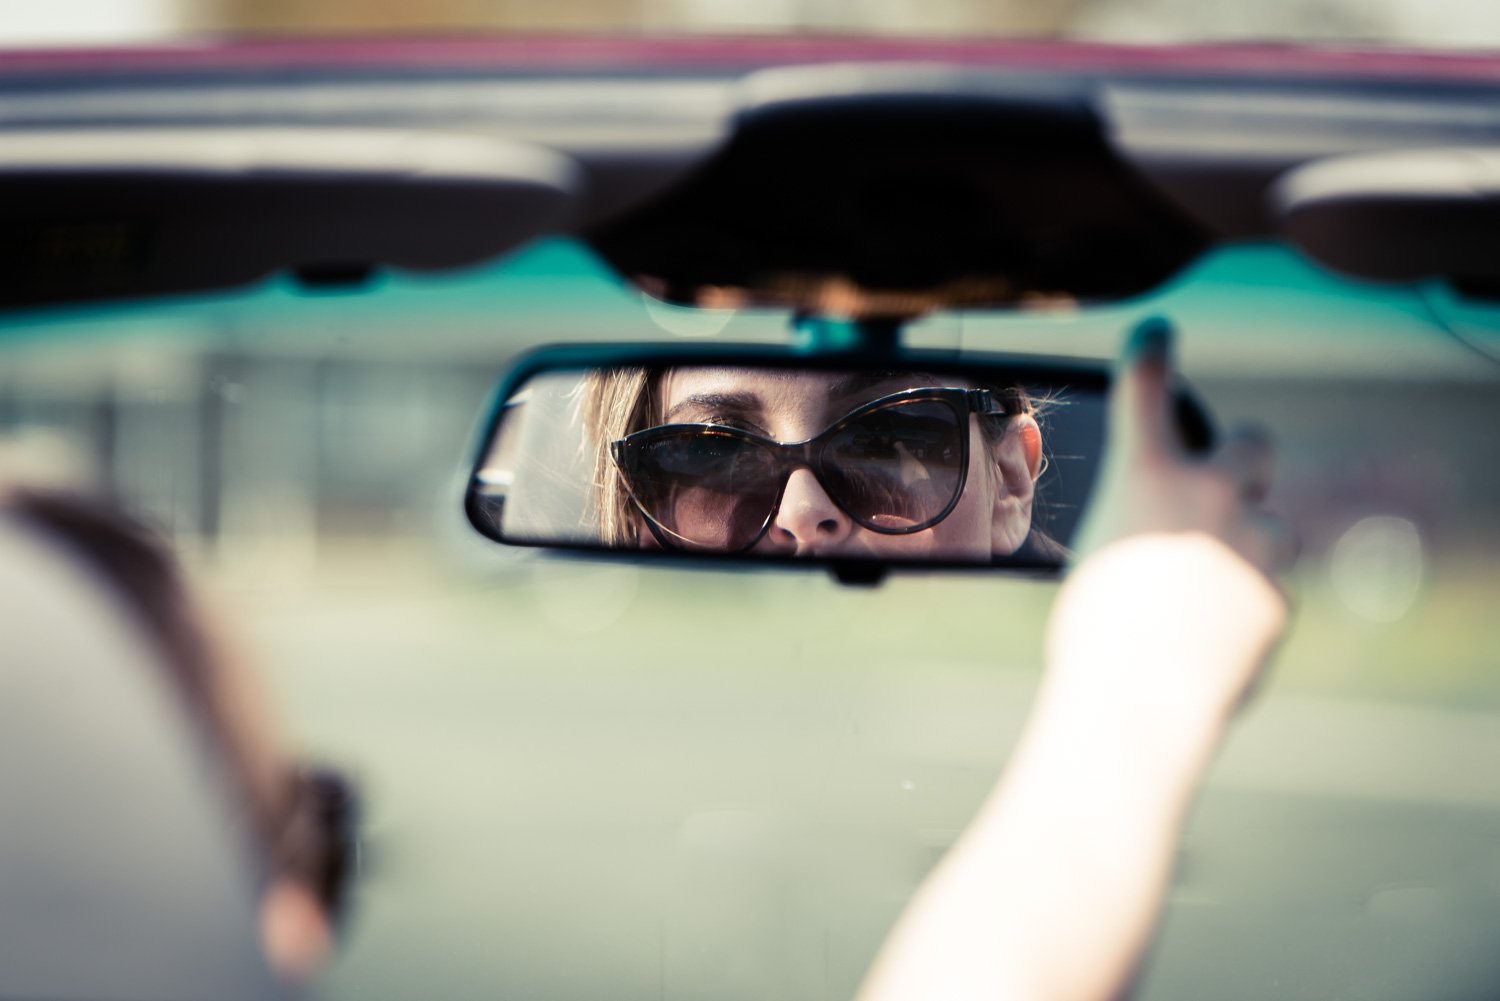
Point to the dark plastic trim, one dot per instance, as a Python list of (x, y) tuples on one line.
[(1398, 216)]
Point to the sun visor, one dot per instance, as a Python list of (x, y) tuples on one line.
[(1398, 216), (92, 214), (123, 874)]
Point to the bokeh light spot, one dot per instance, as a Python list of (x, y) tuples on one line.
[(1376, 567)]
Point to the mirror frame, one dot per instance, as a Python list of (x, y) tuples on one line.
[(1090, 374)]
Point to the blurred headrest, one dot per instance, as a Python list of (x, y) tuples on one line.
[(124, 872)]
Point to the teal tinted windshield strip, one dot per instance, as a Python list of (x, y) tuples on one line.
[(1256, 310), (554, 289), (1242, 310)]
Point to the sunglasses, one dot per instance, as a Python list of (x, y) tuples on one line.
[(895, 466)]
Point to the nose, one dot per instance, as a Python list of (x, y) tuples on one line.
[(808, 520)]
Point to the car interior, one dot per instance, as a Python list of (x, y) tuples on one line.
[(325, 312), (124, 859)]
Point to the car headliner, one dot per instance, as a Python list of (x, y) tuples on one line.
[(1210, 128)]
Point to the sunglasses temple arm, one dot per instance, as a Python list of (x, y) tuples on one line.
[(985, 403)]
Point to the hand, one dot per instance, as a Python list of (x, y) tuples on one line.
[(1149, 483), (1176, 595), (1053, 890)]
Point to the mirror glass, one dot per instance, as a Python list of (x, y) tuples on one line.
[(975, 465)]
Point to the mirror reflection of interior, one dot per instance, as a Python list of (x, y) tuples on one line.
[(898, 465)]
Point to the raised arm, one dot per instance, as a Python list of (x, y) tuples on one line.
[(1052, 892)]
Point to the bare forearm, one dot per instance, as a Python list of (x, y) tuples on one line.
[(1063, 871), (1053, 890)]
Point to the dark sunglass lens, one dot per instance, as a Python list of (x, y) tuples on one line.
[(712, 491), (899, 467)]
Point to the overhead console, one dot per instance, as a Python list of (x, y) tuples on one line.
[(893, 189), (865, 190)]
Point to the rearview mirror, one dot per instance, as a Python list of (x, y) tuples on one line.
[(859, 463)]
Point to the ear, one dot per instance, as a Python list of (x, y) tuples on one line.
[(1018, 458)]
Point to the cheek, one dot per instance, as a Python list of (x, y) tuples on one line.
[(964, 535), (966, 532)]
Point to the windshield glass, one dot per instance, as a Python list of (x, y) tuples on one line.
[(562, 805)]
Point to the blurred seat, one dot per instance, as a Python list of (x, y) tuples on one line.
[(125, 872)]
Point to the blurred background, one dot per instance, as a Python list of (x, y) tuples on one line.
[(588, 780)]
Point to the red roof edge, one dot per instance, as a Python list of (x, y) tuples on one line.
[(727, 54)]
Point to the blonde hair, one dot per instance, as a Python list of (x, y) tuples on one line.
[(617, 402)]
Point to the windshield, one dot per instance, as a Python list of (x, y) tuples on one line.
[(561, 805), (1416, 23)]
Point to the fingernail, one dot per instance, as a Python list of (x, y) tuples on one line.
[(1152, 337)]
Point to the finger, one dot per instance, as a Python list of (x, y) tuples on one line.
[(1248, 458), (1140, 404)]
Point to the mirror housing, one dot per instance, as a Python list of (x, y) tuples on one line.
[(534, 479)]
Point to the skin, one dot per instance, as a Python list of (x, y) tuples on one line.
[(993, 514), (297, 935), (1052, 892)]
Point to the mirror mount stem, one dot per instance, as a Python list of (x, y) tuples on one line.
[(877, 335), (862, 574)]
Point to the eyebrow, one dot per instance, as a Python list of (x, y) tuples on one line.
[(859, 382), (716, 402)]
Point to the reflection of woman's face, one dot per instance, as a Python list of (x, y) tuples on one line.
[(993, 513)]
